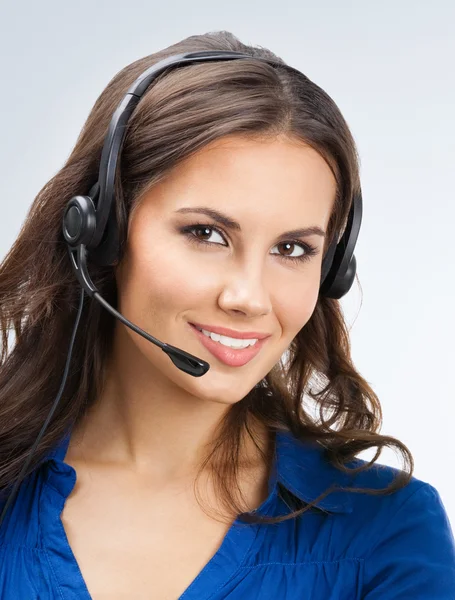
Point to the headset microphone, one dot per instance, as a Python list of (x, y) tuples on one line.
[(89, 226)]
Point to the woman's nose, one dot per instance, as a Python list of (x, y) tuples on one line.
[(246, 292)]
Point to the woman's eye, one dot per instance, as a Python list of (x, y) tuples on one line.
[(205, 231), (292, 246), (304, 250)]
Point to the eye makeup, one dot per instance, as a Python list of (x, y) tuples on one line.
[(188, 230)]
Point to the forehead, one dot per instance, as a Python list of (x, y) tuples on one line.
[(251, 178)]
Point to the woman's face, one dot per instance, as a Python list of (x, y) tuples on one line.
[(249, 278)]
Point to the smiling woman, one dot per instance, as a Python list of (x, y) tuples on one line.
[(251, 273), (235, 180)]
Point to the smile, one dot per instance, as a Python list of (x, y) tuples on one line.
[(228, 341), (230, 351)]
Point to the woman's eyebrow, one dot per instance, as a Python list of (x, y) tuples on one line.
[(229, 223)]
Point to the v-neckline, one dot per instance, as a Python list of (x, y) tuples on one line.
[(60, 481)]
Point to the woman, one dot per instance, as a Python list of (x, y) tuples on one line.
[(221, 485)]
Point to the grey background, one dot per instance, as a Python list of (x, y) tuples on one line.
[(388, 66)]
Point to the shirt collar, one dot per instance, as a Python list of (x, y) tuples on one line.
[(300, 466), (303, 469)]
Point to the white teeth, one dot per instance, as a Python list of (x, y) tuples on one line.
[(228, 341)]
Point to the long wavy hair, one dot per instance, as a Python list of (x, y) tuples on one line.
[(183, 111)]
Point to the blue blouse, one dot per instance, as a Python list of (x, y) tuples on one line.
[(352, 546)]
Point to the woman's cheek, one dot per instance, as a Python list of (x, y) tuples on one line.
[(296, 308)]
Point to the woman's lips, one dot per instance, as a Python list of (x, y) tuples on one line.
[(229, 356)]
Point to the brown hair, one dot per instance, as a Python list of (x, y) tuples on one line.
[(183, 111)]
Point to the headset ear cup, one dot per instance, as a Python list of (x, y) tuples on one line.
[(79, 226), (341, 284), (79, 221)]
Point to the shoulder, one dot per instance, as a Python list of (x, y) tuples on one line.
[(304, 468), (20, 525), (378, 507), (405, 538), (379, 476)]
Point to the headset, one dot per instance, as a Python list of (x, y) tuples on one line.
[(89, 225)]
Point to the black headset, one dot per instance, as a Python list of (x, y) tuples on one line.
[(88, 218), (89, 224)]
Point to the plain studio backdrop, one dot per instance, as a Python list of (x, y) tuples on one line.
[(388, 66)]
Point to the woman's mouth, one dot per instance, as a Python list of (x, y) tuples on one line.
[(234, 357)]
